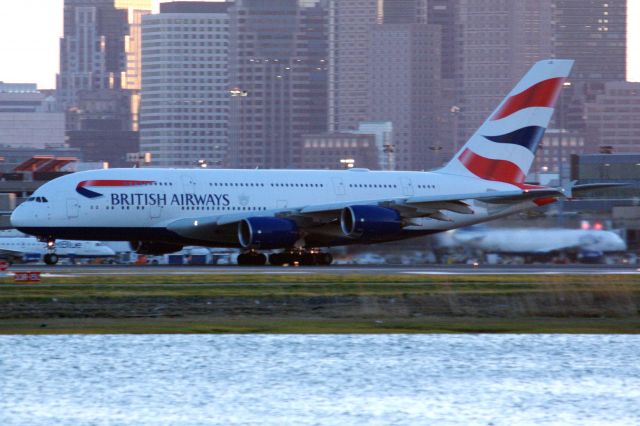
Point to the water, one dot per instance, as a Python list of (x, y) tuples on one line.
[(319, 380)]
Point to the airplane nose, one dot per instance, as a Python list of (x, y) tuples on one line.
[(19, 217)]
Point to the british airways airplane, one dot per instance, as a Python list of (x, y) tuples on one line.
[(299, 212)]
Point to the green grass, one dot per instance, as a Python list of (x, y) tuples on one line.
[(311, 285), (615, 295), (283, 325)]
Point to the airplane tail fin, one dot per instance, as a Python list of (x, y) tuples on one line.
[(504, 147)]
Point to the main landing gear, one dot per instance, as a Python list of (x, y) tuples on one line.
[(289, 257), (51, 258)]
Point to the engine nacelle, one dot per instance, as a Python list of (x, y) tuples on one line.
[(267, 233), (370, 222), (154, 248)]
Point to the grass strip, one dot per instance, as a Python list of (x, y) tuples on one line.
[(312, 326)]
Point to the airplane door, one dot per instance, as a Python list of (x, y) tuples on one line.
[(156, 211), (338, 186), (73, 208), (407, 186)]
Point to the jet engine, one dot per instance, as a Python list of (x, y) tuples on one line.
[(370, 222), (154, 248), (267, 233)]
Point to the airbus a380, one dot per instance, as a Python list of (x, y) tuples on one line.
[(299, 212)]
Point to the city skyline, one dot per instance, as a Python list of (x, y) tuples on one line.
[(34, 58)]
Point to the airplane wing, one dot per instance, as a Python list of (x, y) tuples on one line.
[(434, 207)]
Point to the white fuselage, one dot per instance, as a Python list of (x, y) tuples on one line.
[(144, 211), (64, 248), (539, 240)]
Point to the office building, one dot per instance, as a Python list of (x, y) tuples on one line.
[(100, 50), (339, 151), (613, 118), (278, 76), (92, 50), (350, 23), (594, 33), (404, 78), (28, 118), (499, 40), (185, 97), (555, 151), (132, 78)]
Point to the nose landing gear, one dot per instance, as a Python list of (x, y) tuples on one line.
[(51, 258)]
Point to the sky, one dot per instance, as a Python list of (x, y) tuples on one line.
[(30, 31)]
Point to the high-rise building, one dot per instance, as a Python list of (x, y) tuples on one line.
[(92, 54), (444, 14), (132, 79), (612, 118), (350, 25), (100, 50), (403, 11), (594, 33), (499, 40), (185, 97), (278, 76), (404, 78)]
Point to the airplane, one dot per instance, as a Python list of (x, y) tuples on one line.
[(27, 248), (540, 242), (300, 212)]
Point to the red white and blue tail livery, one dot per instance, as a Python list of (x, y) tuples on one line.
[(504, 147), (294, 213)]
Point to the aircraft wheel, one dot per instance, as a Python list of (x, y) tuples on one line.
[(259, 259), (252, 259), (278, 259), (50, 258), (325, 259), (309, 259)]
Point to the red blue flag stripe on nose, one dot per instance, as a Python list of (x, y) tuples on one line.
[(543, 94), (82, 190)]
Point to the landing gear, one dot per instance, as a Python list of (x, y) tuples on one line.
[(51, 258), (252, 258), (306, 258), (289, 257)]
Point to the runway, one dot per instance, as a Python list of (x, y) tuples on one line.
[(97, 270)]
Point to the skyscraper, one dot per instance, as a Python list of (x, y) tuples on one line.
[(185, 99), (499, 40), (404, 87), (132, 79), (92, 50), (594, 33), (278, 76), (100, 50), (350, 25)]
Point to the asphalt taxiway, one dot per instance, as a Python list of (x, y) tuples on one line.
[(97, 270)]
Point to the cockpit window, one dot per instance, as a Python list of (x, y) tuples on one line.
[(37, 199)]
